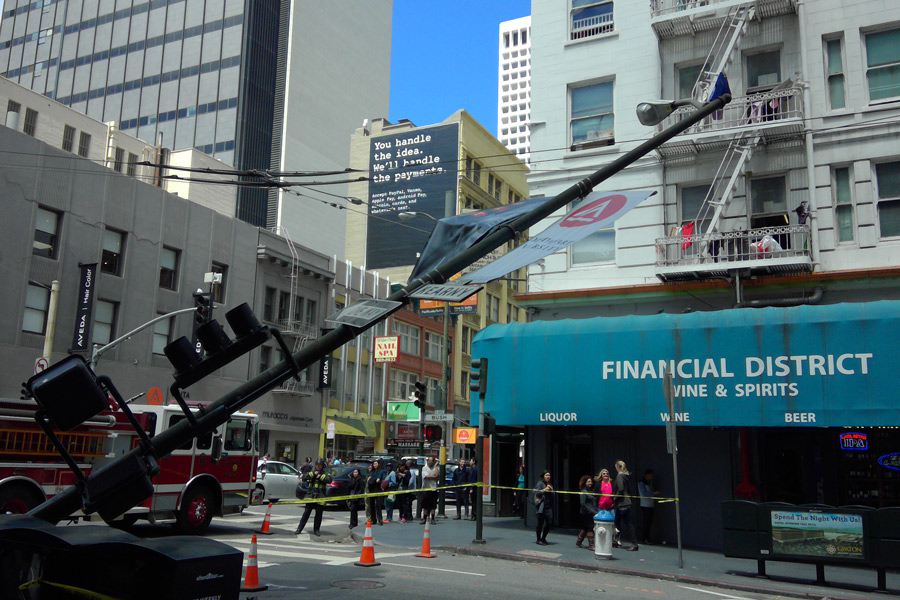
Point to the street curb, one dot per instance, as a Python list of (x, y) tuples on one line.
[(607, 568)]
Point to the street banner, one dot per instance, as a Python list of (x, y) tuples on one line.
[(81, 339), (325, 372), (454, 234), (597, 211)]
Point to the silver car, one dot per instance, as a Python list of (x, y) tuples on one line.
[(276, 480)]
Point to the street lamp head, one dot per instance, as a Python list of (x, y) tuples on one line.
[(652, 113), (407, 215)]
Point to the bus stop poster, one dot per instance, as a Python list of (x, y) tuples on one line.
[(814, 533)]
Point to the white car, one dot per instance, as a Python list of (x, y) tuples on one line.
[(277, 480)]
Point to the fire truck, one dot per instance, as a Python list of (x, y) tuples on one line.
[(213, 475)]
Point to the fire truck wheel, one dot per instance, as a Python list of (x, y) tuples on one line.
[(18, 499), (197, 509)]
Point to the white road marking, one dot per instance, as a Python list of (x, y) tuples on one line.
[(434, 569), (539, 554), (729, 596)]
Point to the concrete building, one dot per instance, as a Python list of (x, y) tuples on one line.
[(784, 202), (257, 85), (432, 171), (514, 87)]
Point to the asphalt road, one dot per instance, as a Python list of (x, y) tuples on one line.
[(305, 566)]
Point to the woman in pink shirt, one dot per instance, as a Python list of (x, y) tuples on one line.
[(605, 490)]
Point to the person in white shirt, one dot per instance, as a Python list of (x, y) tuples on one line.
[(430, 475)]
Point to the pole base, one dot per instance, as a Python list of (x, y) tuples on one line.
[(479, 542)]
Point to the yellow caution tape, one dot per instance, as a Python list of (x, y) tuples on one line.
[(76, 591)]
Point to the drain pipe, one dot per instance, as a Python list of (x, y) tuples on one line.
[(814, 299), (808, 138)]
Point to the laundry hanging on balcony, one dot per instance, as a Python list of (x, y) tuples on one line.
[(687, 230), (720, 88)]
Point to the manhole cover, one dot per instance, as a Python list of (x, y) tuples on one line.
[(357, 584)]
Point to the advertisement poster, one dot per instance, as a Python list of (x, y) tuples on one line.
[(386, 348), (802, 533), (403, 411), (410, 171)]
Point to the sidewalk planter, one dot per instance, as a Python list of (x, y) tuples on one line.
[(604, 532), (819, 534)]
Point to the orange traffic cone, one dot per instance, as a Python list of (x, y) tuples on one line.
[(426, 545), (265, 526), (367, 557), (251, 577)]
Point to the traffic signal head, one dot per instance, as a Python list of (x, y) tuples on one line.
[(202, 308), (432, 433), (420, 394), (478, 376)]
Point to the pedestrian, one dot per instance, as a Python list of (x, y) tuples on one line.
[(519, 498), (265, 458), (605, 489), (411, 485), (648, 492), (460, 478), (473, 490), (389, 484), (373, 486), (403, 477), (430, 475), (588, 508), (622, 494), (357, 487), (543, 507), (307, 466), (316, 480)]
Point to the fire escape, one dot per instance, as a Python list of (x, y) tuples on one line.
[(703, 248)]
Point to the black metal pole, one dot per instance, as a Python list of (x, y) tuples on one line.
[(479, 491), (68, 501)]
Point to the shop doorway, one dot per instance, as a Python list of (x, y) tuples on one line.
[(793, 466), (286, 452), (572, 456)]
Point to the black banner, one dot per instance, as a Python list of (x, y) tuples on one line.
[(325, 372), (81, 339)]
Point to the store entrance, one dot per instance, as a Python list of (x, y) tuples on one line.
[(793, 469), (572, 456)]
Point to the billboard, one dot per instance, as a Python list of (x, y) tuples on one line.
[(813, 533), (409, 171)]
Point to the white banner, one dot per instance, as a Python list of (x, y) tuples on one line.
[(598, 211)]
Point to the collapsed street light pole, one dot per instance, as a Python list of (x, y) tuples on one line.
[(68, 501)]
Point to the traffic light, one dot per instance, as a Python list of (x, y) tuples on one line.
[(420, 394), (433, 433), (490, 425), (478, 376), (202, 308)]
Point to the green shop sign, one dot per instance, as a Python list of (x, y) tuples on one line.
[(403, 411)]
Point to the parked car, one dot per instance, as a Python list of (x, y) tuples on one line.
[(276, 480), (340, 481)]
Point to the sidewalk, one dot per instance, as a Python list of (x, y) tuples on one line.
[(508, 538)]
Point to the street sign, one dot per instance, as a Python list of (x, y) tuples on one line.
[(40, 364), (386, 348), (435, 418), (329, 431), (364, 312), (154, 396), (445, 292)]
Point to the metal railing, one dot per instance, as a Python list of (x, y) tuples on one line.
[(294, 327), (292, 386), (660, 8), (591, 26), (750, 112), (715, 248)]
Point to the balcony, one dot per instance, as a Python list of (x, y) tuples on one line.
[(777, 115), (767, 250), (591, 26), (292, 386), (297, 329), (671, 18)]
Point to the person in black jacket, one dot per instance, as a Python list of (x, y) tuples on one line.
[(357, 488), (460, 478), (588, 508), (316, 479), (374, 504), (544, 502), (622, 494)]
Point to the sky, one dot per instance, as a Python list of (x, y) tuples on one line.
[(444, 57)]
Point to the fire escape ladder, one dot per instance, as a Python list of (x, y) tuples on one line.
[(721, 52), (288, 323)]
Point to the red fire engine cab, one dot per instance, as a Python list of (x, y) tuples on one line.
[(213, 475)]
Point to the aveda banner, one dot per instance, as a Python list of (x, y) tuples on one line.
[(809, 366)]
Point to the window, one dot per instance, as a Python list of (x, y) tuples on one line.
[(687, 78), (46, 233), (888, 176), (161, 333), (402, 385), (218, 289), (834, 63), (592, 115), (494, 308), (132, 164), (311, 312), (494, 186), (168, 268), (692, 199), (767, 196), (473, 170), (119, 163), (104, 322), (30, 122), (269, 305), (512, 313), (464, 339), (13, 107), (111, 255), (434, 344), (591, 18), (284, 306), (265, 358), (763, 70), (843, 205), (37, 301), (68, 138), (883, 64), (409, 337), (600, 246), (84, 144)]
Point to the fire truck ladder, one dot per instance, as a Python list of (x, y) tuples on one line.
[(36, 443), (721, 53)]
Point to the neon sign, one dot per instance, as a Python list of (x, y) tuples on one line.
[(890, 461), (854, 440)]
